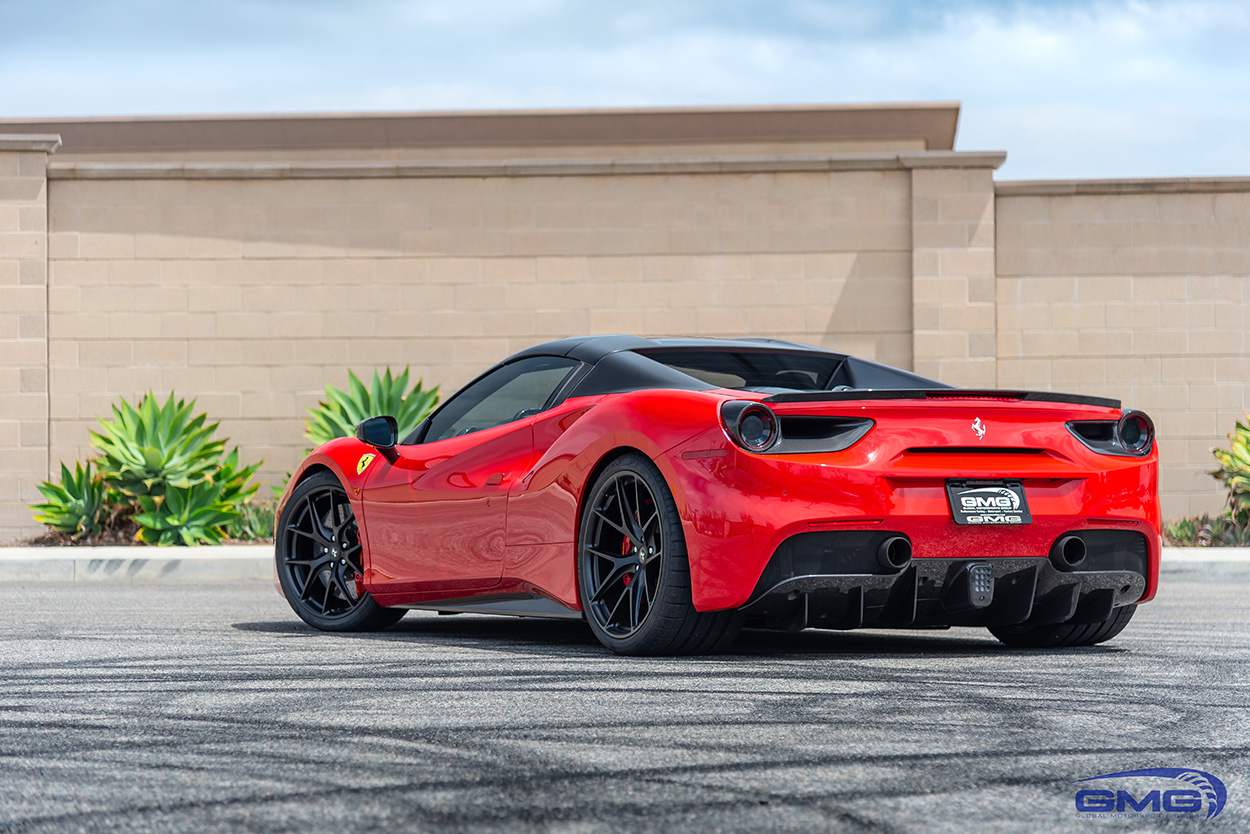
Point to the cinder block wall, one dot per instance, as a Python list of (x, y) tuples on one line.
[(251, 293), (1137, 290), (249, 285), (23, 326)]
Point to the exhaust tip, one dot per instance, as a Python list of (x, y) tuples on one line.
[(894, 554), (1068, 552)]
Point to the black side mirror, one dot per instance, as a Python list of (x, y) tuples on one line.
[(378, 432)]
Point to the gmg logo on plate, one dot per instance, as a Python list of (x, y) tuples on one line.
[(1197, 794), (989, 498)]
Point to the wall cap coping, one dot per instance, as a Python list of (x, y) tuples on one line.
[(932, 122), (522, 168), (46, 142), (1162, 185), (952, 159)]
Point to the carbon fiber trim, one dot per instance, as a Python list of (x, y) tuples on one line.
[(946, 394)]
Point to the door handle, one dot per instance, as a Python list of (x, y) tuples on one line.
[(496, 479)]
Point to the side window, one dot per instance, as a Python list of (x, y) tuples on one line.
[(516, 390)]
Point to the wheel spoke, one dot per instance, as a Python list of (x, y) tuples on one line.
[(627, 513), (636, 599), (612, 614), (614, 525), (644, 583), (341, 516), (613, 577), (616, 559), (318, 523), (307, 535)]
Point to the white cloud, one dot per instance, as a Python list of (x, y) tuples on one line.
[(1095, 88)]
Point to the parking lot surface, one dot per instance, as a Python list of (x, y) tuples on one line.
[(210, 707)]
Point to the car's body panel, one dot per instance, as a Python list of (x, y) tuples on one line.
[(495, 514), (748, 504)]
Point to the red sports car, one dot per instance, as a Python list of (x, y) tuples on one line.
[(671, 491)]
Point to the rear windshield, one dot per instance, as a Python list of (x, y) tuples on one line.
[(752, 369)]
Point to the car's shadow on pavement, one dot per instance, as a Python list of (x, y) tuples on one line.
[(571, 637)]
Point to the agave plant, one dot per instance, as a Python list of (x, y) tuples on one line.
[(387, 394), (1184, 532), (185, 515), (236, 482), (255, 521), (149, 449), (1234, 471), (76, 505)]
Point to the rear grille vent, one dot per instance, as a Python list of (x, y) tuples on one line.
[(801, 434)]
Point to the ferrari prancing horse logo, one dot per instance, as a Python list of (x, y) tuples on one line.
[(365, 460), (978, 428)]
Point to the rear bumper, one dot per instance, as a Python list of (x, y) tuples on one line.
[(739, 509), (834, 580)]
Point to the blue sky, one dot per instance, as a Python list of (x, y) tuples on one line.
[(1069, 88)]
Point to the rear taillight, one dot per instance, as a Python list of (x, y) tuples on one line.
[(757, 428), (1132, 436), (751, 425), (1136, 432)]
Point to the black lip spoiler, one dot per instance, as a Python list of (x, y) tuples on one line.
[(940, 394)]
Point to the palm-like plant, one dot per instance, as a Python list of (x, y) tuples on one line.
[(338, 415)]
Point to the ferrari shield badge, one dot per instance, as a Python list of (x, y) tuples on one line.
[(365, 460)]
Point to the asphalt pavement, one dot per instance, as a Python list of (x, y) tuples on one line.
[(180, 707)]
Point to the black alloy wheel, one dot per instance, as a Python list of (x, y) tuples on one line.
[(318, 555), (633, 572)]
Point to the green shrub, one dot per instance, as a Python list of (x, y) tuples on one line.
[(1234, 471), (255, 521), (1232, 527), (191, 515), (237, 486), (338, 415), (76, 505), (146, 450), (160, 470)]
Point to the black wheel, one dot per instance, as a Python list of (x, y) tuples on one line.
[(318, 551), (633, 574), (1065, 634)]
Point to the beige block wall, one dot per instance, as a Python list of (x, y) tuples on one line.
[(249, 288), (250, 295), (953, 286), (1142, 296), (23, 337)]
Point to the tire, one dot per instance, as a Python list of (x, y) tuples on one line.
[(633, 572), (1065, 634), (317, 550)]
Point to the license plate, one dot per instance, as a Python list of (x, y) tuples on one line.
[(988, 502)]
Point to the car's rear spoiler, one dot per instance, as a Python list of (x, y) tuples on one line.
[(940, 394)]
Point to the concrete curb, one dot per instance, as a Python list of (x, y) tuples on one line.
[(136, 564), (255, 561)]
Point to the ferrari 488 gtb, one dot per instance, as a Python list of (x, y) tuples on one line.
[(671, 491)]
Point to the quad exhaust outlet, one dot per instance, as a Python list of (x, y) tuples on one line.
[(894, 554), (1068, 552)]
